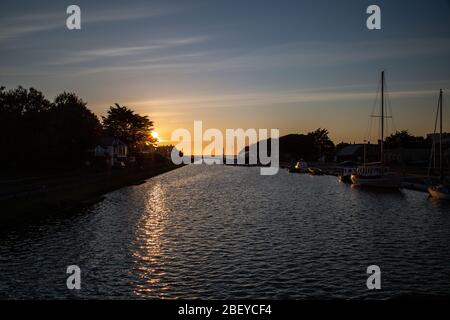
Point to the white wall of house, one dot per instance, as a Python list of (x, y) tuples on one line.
[(103, 151), (99, 151), (110, 152), (121, 151)]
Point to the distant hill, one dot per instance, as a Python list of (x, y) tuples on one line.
[(296, 146)]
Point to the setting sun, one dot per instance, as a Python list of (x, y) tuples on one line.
[(155, 135)]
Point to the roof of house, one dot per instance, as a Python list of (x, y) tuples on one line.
[(109, 141), (349, 150)]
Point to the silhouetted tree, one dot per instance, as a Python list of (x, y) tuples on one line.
[(323, 146), (21, 101), (402, 139), (75, 127), (320, 134), (130, 127), (23, 124), (37, 133)]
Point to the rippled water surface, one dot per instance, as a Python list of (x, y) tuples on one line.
[(227, 232)]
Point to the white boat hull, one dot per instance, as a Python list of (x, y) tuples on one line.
[(385, 181), (437, 194)]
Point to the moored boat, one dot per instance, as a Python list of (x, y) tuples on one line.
[(300, 167), (346, 175), (440, 192), (377, 174), (315, 171)]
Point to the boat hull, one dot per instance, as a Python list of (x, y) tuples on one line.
[(347, 178), (299, 171), (315, 172), (385, 181), (436, 193)]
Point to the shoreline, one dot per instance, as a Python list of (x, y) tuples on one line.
[(413, 178), (82, 190)]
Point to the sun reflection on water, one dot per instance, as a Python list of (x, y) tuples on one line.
[(150, 237)]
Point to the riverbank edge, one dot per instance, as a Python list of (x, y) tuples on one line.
[(70, 198)]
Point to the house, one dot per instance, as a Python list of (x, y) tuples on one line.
[(112, 149), (408, 156), (435, 137), (355, 153)]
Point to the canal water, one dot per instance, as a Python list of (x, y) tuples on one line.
[(227, 232)]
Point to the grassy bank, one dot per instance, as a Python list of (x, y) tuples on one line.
[(35, 197)]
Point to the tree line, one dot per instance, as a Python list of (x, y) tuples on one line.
[(317, 145), (400, 139), (36, 132)]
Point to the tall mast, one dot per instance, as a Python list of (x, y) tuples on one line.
[(382, 118), (441, 167)]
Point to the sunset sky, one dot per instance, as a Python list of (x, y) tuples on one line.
[(292, 65)]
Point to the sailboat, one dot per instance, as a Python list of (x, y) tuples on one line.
[(377, 174), (442, 191)]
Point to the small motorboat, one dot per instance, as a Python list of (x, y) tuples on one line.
[(300, 167), (440, 192), (346, 176)]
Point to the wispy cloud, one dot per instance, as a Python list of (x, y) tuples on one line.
[(318, 53), (21, 25), (13, 27), (294, 55), (276, 98), (124, 14), (122, 51)]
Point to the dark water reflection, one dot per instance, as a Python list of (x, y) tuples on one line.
[(227, 232)]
